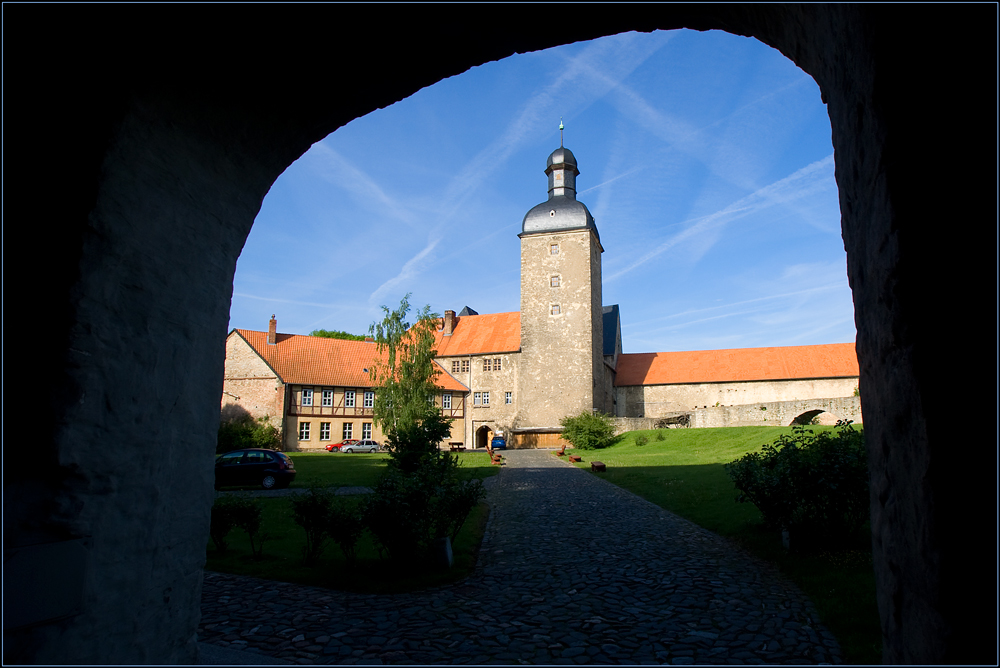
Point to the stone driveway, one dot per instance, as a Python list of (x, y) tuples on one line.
[(572, 570)]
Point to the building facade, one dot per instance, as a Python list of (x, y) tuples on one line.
[(519, 374)]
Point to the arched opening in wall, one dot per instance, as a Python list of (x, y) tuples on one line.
[(705, 159), (816, 417), (483, 436)]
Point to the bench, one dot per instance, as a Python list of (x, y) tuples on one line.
[(598, 466), (561, 452), (457, 447), (575, 458), (495, 458)]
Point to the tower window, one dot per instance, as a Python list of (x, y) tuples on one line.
[(554, 249), (554, 282), (555, 309)]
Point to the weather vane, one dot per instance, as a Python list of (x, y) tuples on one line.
[(560, 132)]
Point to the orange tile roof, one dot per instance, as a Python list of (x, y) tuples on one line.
[(315, 360), (834, 360), (479, 334)]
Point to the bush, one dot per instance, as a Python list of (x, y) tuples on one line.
[(248, 513), (659, 436), (345, 524), (813, 484), (245, 432), (588, 431), (641, 440), (223, 521), (312, 511)]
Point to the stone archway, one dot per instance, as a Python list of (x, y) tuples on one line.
[(816, 416), (483, 436), (135, 165)]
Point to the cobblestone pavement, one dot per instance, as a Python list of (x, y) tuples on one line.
[(572, 570)]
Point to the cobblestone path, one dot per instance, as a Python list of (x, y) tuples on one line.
[(572, 570)]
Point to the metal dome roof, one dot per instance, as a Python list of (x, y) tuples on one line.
[(559, 213), (559, 156)]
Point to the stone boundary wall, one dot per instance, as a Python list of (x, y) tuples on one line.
[(772, 413)]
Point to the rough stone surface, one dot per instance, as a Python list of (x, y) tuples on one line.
[(140, 159), (571, 567)]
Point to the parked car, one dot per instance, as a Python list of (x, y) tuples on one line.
[(339, 447), (498, 443), (254, 466), (364, 445)]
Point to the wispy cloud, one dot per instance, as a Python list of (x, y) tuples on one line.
[(413, 267), (802, 183), (292, 301)]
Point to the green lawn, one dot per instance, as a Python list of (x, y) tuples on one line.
[(685, 473), (335, 469)]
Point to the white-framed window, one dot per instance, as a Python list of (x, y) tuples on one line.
[(366, 430), (486, 398), (553, 249), (508, 397), (324, 431), (369, 399), (477, 398), (303, 431), (307, 397), (496, 364), (349, 399), (430, 399), (348, 430), (446, 401), (327, 397), (554, 282), (554, 310)]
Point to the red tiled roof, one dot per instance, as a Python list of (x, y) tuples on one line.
[(479, 334), (834, 360), (315, 360)]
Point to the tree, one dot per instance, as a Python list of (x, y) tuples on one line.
[(336, 334), (588, 430)]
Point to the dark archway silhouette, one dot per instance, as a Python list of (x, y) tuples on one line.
[(808, 417), (483, 435), (140, 142)]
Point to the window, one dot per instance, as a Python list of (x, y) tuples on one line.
[(496, 364), (465, 366), (369, 399), (455, 366), (554, 249), (486, 398), (349, 398), (477, 398), (257, 457), (554, 282), (348, 430), (487, 364), (555, 309), (303, 431), (327, 397), (307, 398), (508, 397), (446, 401), (324, 431), (430, 399), (366, 430)]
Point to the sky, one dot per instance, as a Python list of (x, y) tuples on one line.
[(705, 159)]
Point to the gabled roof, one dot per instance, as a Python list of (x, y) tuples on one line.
[(480, 334), (315, 360), (835, 360)]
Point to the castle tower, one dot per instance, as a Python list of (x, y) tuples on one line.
[(561, 368)]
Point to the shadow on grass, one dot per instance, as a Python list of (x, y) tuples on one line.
[(839, 579)]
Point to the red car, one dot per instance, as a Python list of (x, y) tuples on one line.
[(338, 447)]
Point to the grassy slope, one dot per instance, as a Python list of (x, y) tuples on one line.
[(685, 474)]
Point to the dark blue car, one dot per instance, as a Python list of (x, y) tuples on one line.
[(254, 466), (498, 443)]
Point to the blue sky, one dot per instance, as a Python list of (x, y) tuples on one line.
[(705, 159)]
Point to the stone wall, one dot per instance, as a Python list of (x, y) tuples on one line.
[(250, 383), (499, 414)]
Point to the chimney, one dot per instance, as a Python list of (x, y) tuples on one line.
[(449, 322), (272, 331)]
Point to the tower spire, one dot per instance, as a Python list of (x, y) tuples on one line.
[(560, 132)]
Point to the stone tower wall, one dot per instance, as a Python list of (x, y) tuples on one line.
[(557, 366), (249, 383)]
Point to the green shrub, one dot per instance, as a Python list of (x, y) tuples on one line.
[(223, 521), (311, 511), (813, 484), (641, 440), (345, 524), (588, 431), (245, 432), (248, 513), (659, 436)]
